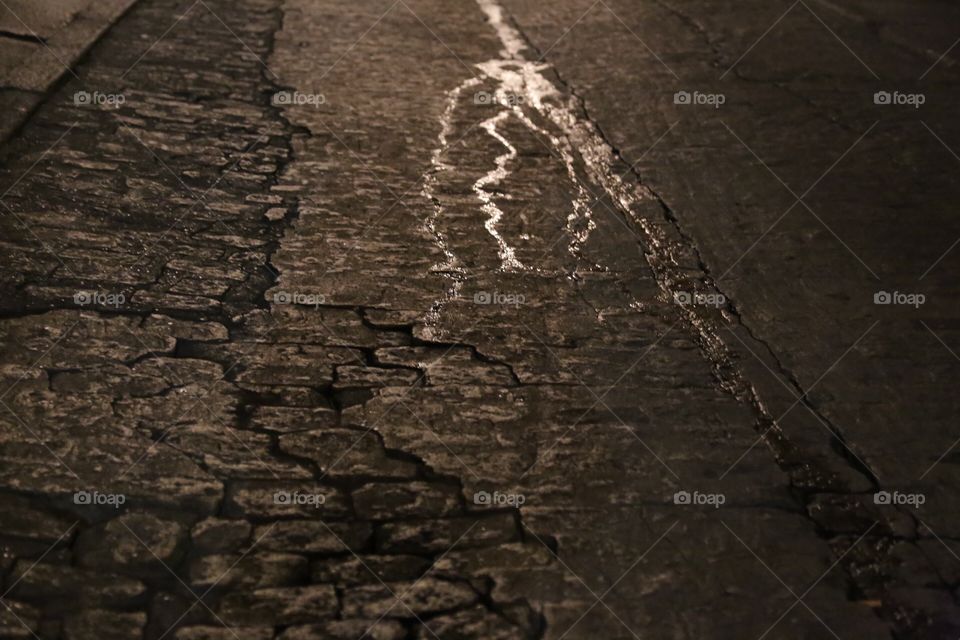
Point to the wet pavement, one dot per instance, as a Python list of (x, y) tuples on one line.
[(485, 319)]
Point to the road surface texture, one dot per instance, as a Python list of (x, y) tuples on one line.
[(481, 319), (39, 40)]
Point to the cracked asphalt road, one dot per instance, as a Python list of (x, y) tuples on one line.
[(483, 319)]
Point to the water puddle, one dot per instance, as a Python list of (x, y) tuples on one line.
[(508, 257), (520, 91), (451, 267), (665, 248)]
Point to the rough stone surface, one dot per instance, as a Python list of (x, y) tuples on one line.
[(428, 358)]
